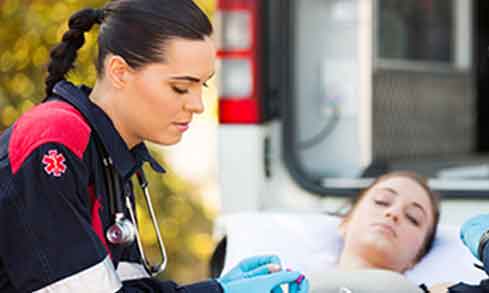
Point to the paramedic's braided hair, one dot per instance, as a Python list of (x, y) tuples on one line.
[(136, 30), (64, 54)]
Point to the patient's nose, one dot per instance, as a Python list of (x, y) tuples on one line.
[(392, 213)]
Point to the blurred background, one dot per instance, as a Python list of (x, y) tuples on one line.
[(317, 97), (185, 199)]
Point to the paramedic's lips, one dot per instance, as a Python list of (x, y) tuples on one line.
[(182, 126), (386, 227)]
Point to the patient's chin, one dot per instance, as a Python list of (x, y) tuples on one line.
[(381, 253)]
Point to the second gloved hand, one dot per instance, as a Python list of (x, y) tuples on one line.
[(472, 230)]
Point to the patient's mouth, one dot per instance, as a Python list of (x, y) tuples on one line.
[(385, 228)]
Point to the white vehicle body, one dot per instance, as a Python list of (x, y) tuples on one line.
[(303, 64)]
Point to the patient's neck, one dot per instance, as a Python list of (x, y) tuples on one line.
[(351, 261)]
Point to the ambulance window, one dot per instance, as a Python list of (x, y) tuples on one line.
[(415, 30), (348, 119)]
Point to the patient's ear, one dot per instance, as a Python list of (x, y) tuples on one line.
[(410, 265)]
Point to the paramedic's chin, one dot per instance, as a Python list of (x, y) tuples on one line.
[(388, 227)]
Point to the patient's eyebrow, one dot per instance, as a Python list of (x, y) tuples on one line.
[(419, 206), (391, 190)]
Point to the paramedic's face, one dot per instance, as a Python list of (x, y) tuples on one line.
[(163, 97), (390, 223)]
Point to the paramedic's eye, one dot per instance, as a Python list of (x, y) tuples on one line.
[(179, 90), (205, 85)]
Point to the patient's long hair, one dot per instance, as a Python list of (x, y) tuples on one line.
[(433, 196)]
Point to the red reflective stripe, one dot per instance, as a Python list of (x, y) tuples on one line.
[(52, 122), (97, 225), (242, 111)]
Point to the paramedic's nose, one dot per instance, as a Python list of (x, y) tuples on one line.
[(194, 103)]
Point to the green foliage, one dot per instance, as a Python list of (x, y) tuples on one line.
[(29, 30)]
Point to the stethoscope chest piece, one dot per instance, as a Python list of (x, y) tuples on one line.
[(122, 232)]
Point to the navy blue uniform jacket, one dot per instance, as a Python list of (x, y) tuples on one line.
[(54, 209)]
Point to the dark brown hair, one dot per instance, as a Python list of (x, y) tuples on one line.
[(433, 196), (136, 30)]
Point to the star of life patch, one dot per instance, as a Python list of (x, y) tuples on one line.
[(54, 163)]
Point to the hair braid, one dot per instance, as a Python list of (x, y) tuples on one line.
[(63, 55)]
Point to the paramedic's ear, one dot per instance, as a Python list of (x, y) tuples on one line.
[(117, 71)]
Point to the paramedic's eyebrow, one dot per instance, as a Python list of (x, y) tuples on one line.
[(191, 78), (414, 203)]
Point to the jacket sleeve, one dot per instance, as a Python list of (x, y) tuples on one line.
[(154, 285), (485, 257), (48, 243)]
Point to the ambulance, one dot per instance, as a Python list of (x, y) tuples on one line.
[(318, 97)]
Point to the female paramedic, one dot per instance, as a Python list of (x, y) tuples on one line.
[(66, 202)]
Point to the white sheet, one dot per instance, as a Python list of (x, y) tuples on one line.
[(311, 243)]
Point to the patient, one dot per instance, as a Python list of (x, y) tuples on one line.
[(390, 227)]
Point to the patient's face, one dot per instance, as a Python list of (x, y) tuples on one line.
[(389, 225)]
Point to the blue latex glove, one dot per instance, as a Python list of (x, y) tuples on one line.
[(472, 230), (266, 283), (249, 267)]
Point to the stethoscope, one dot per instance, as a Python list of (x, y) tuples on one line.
[(124, 231)]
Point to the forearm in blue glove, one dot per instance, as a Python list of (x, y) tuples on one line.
[(472, 231), (267, 283), (253, 266)]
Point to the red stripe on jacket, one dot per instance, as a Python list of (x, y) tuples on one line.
[(97, 224)]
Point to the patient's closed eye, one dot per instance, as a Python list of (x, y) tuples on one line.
[(415, 215), (412, 219), (383, 203)]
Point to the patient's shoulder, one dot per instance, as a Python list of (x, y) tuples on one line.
[(361, 281)]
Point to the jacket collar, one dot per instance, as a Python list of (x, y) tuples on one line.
[(126, 161)]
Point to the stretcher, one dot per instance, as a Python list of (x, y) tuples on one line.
[(311, 243)]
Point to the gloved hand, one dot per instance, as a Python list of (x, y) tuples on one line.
[(253, 266), (267, 283), (301, 287), (472, 230)]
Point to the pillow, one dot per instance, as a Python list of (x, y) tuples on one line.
[(311, 243)]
